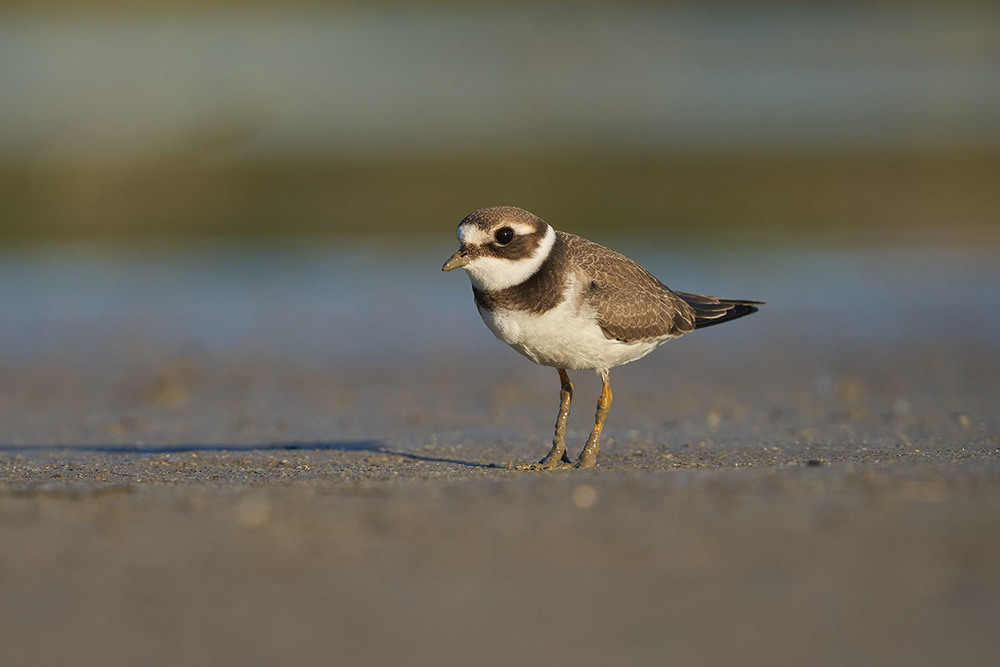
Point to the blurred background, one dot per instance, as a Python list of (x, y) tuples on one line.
[(773, 122), (222, 224), (268, 189)]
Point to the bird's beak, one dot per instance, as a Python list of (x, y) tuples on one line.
[(456, 261)]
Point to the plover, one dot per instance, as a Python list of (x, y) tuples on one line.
[(566, 302)]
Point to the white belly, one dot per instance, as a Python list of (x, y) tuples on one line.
[(567, 336)]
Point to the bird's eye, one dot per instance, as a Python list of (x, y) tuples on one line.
[(504, 235)]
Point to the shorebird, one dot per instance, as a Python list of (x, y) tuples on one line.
[(566, 302)]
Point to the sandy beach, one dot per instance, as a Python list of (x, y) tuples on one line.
[(229, 475)]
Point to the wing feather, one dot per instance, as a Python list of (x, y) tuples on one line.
[(631, 304), (711, 310)]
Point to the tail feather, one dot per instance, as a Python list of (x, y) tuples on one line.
[(710, 310)]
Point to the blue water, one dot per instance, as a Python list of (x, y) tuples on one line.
[(365, 303)]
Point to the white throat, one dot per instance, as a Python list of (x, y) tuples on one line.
[(490, 274)]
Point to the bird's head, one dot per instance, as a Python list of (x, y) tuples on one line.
[(501, 246)]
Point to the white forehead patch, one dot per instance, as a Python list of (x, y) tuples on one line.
[(473, 235)]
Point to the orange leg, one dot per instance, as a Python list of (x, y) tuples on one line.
[(557, 455), (588, 457)]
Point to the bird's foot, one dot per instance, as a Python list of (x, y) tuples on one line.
[(556, 459), (561, 463), (546, 464)]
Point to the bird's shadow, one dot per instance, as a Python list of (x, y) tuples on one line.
[(370, 446)]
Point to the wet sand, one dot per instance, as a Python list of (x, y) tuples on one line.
[(774, 491)]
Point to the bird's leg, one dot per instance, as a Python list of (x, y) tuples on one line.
[(588, 457), (557, 455)]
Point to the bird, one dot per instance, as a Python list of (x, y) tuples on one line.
[(572, 304)]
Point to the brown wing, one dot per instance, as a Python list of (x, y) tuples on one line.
[(631, 304)]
